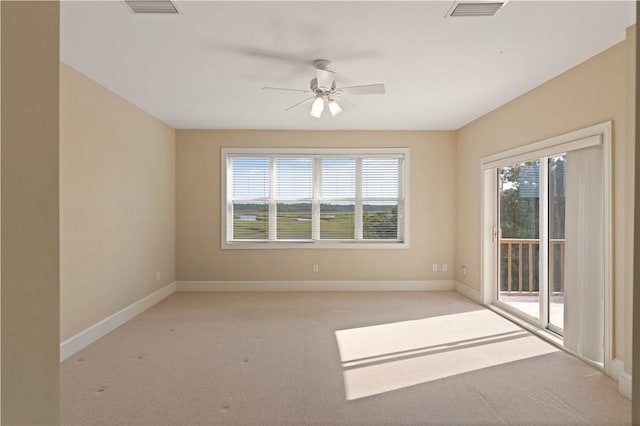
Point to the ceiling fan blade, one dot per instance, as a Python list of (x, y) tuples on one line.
[(288, 90), (367, 89), (347, 103), (325, 79), (304, 101)]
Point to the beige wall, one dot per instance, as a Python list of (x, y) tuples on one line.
[(432, 185), (629, 194), (592, 92), (117, 202), (29, 213)]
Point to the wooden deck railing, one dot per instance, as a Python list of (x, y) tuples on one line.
[(519, 265)]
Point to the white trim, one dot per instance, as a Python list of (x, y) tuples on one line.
[(76, 343), (543, 257), (419, 285), (535, 329), (316, 178), (322, 152), (489, 235), (547, 151), (404, 206), (322, 244), (358, 242), (359, 208), (273, 213), (617, 368), (582, 138), (468, 291), (605, 129), (625, 385), (623, 379)]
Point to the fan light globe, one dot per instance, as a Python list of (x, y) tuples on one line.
[(334, 107), (317, 107)]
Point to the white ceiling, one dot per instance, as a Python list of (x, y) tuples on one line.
[(205, 67)]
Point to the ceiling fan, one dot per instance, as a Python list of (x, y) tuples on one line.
[(323, 91)]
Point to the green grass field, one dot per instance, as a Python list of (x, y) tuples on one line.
[(296, 225)]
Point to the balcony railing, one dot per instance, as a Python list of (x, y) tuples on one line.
[(519, 266)]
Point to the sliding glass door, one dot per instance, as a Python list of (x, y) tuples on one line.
[(557, 182), (532, 205), (546, 226), (519, 237)]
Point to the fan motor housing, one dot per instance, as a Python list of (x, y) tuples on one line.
[(320, 90)]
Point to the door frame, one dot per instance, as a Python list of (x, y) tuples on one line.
[(598, 134)]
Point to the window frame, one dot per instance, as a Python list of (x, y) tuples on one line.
[(315, 243)]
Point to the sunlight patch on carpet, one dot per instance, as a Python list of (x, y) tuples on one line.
[(387, 357)]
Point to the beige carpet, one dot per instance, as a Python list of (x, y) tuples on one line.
[(351, 358)]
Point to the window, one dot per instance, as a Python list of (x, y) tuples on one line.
[(279, 198)]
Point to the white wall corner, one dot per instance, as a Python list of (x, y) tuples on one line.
[(76, 343), (623, 379), (315, 285), (468, 292)]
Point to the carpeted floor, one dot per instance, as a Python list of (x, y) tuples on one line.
[(347, 358)]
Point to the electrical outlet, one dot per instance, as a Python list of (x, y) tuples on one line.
[(316, 268), (435, 267), (445, 267), (158, 275), (464, 270)]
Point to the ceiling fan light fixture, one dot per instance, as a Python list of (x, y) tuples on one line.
[(317, 107), (334, 107), (323, 90)]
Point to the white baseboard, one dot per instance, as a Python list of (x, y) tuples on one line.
[(624, 385), (624, 379), (468, 292), (76, 343), (617, 367), (86, 337), (315, 285)]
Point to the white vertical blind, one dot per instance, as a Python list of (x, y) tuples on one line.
[(584, 273)]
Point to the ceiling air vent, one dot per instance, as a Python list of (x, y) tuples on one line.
[(476, 8), (151, 6)]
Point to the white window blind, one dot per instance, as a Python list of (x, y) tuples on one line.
[(294, 193), (380, 183), (250, 206), (250, 178), (322, 198), (380, 177), (338, 199), (338, 178)]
